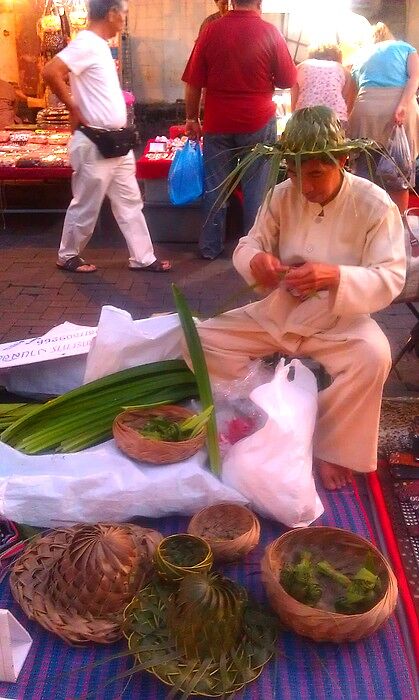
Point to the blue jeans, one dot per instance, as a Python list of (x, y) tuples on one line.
[(220, 158)]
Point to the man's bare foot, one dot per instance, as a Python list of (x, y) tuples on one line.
[(333, 476)]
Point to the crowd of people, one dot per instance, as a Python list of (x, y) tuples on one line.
[(325, 248)]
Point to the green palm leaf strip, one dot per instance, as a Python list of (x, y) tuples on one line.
[(201, 375)]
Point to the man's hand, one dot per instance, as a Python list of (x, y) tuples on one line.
[(400, 114), (193, 129), (312, 277), (267, 269)]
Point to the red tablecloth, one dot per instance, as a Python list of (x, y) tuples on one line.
[(176, 130), (152, 169)]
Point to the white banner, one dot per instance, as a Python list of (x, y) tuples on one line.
[(65, 340)]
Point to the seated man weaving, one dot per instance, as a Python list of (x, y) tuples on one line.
[(327, 248)]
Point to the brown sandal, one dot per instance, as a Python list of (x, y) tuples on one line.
[(156, 266), (74, 264)]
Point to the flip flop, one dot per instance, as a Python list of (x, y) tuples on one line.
[(156, 266), (74, 264)]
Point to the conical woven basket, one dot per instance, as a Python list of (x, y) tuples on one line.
[(77, 581), (342, 549), (231, 530), (125, 431)]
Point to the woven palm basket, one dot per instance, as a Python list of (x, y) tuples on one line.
[(344, 550), (231, 530), (77, 581), (179, 555), (125, 431)]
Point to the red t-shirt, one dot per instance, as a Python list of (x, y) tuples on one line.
[(239, 59)]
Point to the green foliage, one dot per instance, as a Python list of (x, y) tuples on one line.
[(325, 568), (300, 580), (161, 428), (201, 375), (83, 417), (361, 594), (361, 589)]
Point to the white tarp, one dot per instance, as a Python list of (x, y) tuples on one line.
[(70, 355), (103, 484)]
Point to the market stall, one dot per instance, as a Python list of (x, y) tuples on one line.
[(39, 156), (68, 585), (165, 221)]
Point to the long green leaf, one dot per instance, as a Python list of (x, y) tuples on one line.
[(90, 389), (201, 375)]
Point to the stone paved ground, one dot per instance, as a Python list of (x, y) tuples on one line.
[(35, 295)]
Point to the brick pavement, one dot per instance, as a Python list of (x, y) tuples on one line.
[(35, 295)]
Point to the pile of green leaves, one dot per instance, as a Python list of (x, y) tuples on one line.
[(161, 428), (356, 594)]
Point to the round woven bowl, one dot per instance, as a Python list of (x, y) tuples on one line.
[(339, 547), (231, 530), (172, 570), (125, 431)]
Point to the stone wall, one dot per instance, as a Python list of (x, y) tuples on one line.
[(162, 36)]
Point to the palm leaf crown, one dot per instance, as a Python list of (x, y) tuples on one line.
[(311, 132)]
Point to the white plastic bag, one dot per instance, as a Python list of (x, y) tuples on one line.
[(121, 343), (273, 466), (395, 173)]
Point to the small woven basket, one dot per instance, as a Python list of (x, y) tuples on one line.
[(127, 424), (231, 530), (344, 550), (193, 556)]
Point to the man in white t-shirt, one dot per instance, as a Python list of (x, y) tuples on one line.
[(84, 77)]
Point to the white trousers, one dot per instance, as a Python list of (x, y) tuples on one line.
[(357, 358), (93, 178)]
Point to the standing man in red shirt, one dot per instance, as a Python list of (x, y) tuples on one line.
[(239, 59)]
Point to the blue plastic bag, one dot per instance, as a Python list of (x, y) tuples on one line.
[(186, 174)]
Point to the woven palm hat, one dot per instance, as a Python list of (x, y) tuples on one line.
[(310, 133), (77, 581), (317, 132)]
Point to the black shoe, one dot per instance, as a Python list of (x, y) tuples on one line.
[(204, 256)]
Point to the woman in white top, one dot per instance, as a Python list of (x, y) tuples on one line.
[(322, 80)]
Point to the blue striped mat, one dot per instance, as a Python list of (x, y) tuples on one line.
[(373, 669)]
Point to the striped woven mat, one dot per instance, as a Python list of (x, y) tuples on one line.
[(376, 668)]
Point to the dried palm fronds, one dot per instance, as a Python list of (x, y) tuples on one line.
[(76, 581)]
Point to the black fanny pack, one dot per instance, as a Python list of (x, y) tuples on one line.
[(111, 143)]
